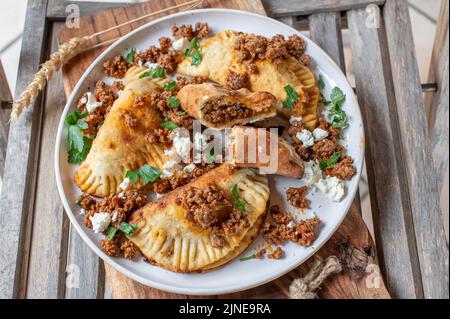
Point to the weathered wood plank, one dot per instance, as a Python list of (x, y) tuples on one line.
[(17, 197), (325, 30), (85, 271), (436, 104), (50, 224), (5, 95), (57, 9), (391, 233), (420, 178), (276, 8)]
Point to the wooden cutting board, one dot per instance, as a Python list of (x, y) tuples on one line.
[(352, 242)]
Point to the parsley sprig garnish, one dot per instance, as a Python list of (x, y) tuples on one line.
[(78, 144), (130, 55), (194, 53), (156, 72), (338, 115), (124, 227), (173, 102), (237, 201), (324, 164), (168, 124), (248, 257), (170, 86), (291, 97), (147, 174)]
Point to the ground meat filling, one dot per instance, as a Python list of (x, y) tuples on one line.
[(187, 31), (209, 209), (276, 254), (159, 136), (297, 196), (217, 111), (117, 67), (281, 228), (119, 207)]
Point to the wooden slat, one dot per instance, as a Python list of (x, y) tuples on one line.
[(84, 262), (50, 224), (17, 197), (56, 9), (5, 95), (301, 23), (276, 8), (420, 177), (436, 103), (388, 198), (325, 30)]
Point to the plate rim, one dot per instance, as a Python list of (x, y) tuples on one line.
[(167, 287)]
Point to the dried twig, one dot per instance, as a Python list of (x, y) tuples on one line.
[(70, 49)]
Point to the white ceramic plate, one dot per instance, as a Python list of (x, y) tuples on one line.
[(237, 275)]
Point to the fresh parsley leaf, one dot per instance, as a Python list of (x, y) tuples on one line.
[(291, 97), (337, 96), (110, 232), (145, 74), (158, 72), (170, 86), (248, 257), (324, 164), (239, 203), (146, 173), (132, 176), (76, 156), (79, 200), (169, 125), (72, 118), (197, 57), (130, 55), (149, 174), (194, 44), (82, 125), (187, 52), (75, 138), (173, 102), (128, 229)]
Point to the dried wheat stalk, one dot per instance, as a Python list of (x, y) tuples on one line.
[(69, 50)]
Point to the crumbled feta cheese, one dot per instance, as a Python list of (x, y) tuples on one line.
[(166, 173), (319, 134), (122, 195), (189, 168), (312, 173), (115, 216), (181, 44), (158, 196), (151, 66), (182, 144), (119, 92), (92, 102), (82, 211), (168, 152), (125, 183), (83, 100), (332, 187), (140, 63), (169, 165), (100, 222), (290, 224), (293, 119), (305, 137)]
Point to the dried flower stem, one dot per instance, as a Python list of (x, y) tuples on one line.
[(67, 51)]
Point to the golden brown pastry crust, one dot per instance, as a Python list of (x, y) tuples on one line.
[(119, 148), (219, 56), (193, 98), (167, 239)]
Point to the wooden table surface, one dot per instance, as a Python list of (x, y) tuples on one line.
[(403, 151)]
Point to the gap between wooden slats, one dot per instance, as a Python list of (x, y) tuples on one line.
[(19, 179), (420, 179), (394, 240)]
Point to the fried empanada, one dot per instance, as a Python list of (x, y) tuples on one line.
[(218, 107), (167, 238), (269, 152), (120, 146), (219, 56)]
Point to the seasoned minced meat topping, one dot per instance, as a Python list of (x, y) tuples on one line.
[(159, 136), (324, 149), (117, 67), (236, 81), (297, 196), (276, 254), (278, 230), (251, 47), (210, 209), (187, 31), (217, 111)]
